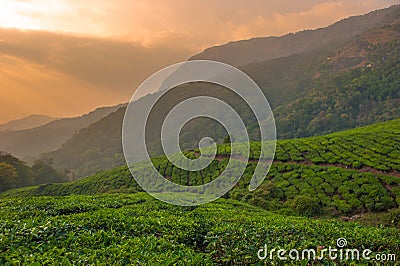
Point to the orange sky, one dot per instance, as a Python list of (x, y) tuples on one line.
[(66, 57)]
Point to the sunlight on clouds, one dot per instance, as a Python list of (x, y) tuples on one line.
[(59, 16), (194, 23), (13, 15), (101, 49), (42, 91), (30, 14)]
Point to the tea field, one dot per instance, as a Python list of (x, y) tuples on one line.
[(317, 176), (135, 229), (319, 189)]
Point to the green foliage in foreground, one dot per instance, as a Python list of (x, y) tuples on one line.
[(137, 229)]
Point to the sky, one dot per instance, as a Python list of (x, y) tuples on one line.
[(66, 57)]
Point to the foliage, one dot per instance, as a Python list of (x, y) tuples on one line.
[(305, 205), (45, 173), (16, 173), (331, 177), (349, 98), (8, 176), (137, 229), (376, 146)]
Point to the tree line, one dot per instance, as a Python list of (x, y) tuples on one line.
[(17, 173)]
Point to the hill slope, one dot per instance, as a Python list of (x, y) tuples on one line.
[(26, 122), (356, 85), (311, 93), (344, 173), (94, 148), (260, 49), (32, 142)]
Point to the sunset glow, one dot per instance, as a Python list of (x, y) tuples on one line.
[(30, 14), (107, 48)]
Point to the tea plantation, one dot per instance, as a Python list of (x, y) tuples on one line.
[(321, 174), (313, 187), (139, 230)]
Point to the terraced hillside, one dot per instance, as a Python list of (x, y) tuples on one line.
[(341, 174)]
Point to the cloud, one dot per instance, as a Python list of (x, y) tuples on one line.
[(92, 49), (27, 88), (106, 63), (62, 75), (198, 24), (279, 23)]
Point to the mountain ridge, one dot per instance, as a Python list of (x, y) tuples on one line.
[(309, 93), (27, 122), (30, 143), (244, 52)]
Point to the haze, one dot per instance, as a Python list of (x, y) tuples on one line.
[(64, 58)]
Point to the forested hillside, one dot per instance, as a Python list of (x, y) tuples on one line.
[(311, 93), (260, 49), (367, 91)]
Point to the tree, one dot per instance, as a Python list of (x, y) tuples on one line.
[(8, 176), (24, 173), (45, 173), (305, 205), (227, 139)]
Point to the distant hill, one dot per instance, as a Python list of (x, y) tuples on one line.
[(93, 148), (33, 142), (244, 52), (26, 122)]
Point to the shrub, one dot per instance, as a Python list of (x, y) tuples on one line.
[(305, 205)]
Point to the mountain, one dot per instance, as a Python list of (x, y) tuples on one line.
[(31, 143), (26, 122), (95, 147), (355, 85), (244, 52), (311, 93), (331, 190)]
